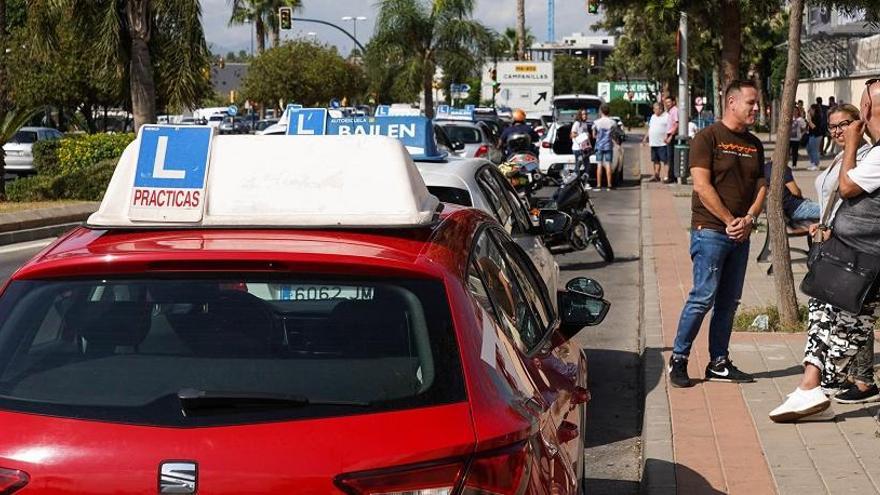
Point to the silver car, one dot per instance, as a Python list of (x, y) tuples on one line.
[(478, 138), (19, 150), (479, 184)]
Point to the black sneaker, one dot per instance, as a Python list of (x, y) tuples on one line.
[(678, 372), (722, 370), (853, 395)]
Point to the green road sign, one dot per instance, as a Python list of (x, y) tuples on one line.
[(634, 91)]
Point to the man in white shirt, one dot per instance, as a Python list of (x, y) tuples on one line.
[(658, 127)]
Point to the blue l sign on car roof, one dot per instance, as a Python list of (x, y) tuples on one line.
[(416, 133), (303, 121), (170, 174)]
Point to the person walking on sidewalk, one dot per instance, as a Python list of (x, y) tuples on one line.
[(726, 163), (604, 146), (839, 343), (795, 134), (816, 125), (658, 126), (580, 144), (671, 132)]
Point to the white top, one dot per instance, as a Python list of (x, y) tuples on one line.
[(866, 174), (657, 128), (798, 127), (580, 131), (826, 181), (276, 181), (692, 129), (602, 130)]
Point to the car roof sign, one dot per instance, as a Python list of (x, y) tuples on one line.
[(445, 112), (415, 132), (396, 111), (170, 175), (272, 182), (307, 121)]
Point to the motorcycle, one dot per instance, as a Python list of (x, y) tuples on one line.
[(585, 229), (521, 166)]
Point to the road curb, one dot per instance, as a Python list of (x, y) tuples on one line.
[(31, 225), (38, 233), (658, 459)]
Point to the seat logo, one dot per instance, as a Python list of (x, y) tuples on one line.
[(178, 477)]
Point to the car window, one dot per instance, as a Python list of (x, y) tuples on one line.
[(442, 138), (504, 287), (121, 350), (495, 196), (454, 195), (532, 285), (25, 137), (520, 223), (467, 135)]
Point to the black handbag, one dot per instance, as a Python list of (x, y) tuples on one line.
[(841, 276)]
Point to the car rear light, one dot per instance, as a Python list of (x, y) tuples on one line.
[(482, 151), (502, 472), (427, 479), (498, 472), (12, 480), (545, 144)]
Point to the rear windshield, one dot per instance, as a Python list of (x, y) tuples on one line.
[(128, 350), (467, 135), (25, 137), (454, 195), (567, 109)]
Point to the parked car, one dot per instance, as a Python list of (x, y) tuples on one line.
[(19, 150), (233, 125), (445, 143), (283, 341), (262, 125), (479, 184), (555, 153), (478, 138)]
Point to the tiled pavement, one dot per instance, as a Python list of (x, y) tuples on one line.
[(718, 435)]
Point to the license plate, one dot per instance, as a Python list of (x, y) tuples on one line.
[(324, 292)]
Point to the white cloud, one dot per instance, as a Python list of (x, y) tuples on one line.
[(571, 16)]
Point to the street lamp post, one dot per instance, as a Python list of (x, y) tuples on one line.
[(354, 20)]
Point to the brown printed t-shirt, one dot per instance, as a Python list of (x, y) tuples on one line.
[(735, 160)]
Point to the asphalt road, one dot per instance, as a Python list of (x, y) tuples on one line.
[(13, 256), (613, 433)]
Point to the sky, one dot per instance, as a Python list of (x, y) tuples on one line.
[(571, 16)]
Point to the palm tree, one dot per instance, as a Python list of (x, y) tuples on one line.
[(509, 40), (264, 15), (520, 29), (420, 35), (144, 41), (12, 120)]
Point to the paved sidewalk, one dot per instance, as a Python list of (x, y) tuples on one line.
[(718, 435)]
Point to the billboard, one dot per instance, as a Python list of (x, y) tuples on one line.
[(524, 84), (634, 91)]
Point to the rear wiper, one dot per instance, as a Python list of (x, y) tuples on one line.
[(194, 400)]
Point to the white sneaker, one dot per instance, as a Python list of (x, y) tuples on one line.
[(800, 404), (826, 415), (812, 168)]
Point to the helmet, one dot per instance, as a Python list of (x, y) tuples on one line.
[(519, 115)]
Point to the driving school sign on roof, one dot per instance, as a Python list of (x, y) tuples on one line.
[(169, 179)]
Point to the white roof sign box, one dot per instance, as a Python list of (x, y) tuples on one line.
[(290, 182)]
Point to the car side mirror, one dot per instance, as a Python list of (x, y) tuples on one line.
[(586, 286), (578, 310), (553, 221)]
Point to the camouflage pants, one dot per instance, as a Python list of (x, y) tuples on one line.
[(841, 344)]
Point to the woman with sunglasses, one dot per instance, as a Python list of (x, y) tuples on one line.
[(839, 354)]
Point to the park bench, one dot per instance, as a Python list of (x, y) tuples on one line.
[(793, 230)]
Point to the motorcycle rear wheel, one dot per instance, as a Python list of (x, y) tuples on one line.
[(601, 243)]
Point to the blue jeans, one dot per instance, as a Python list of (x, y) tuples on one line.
[(813, 150), (719, 272), (807, 210)]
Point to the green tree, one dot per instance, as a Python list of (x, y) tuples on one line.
[(520, 29), (572, 75), (303, 72), (417, 36), (158, 46)]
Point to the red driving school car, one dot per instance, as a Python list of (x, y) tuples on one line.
[(308, 328)]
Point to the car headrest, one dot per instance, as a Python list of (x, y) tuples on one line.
[(106, 325)]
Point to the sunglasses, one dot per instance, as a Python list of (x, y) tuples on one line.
[(872, 81), (839, 127)]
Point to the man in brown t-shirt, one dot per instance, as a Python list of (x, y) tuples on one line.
[(726, 163)]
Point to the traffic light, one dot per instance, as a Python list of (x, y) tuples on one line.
[(496, 86), (286, 18), (592, 6)]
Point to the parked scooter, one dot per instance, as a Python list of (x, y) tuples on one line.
[(572, 198)]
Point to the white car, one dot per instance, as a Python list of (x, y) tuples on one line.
[(19, 150), (479, 184), (555, 153)]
